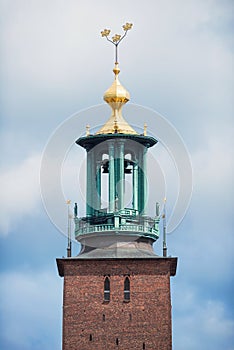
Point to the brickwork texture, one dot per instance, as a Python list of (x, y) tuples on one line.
[(91, 322)]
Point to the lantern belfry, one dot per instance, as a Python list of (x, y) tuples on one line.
[(116, 290)]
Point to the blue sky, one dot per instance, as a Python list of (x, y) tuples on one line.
[(178, 61)]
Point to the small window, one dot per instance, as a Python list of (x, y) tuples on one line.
[(103, 317), (107, 289), (90, 337), (143, 347), (117, 341), (127, 289)]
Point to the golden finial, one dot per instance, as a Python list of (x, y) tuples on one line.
[(116, 96), (117, 38), (87, 130), (145, 129)]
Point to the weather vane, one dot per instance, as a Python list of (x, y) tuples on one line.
[(117, 38)]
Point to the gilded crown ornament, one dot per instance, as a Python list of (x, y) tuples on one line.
[(117, 38)]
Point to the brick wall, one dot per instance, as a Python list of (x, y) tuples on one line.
[(144, 322)]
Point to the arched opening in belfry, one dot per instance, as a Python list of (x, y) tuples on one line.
[(128, 181), (104, 181)]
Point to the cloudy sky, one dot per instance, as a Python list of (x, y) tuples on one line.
[(177, 61)]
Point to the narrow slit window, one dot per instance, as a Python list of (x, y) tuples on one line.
[(127, 289), (107, 289), (143, 347)]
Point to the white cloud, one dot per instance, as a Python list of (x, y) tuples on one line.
[(213, 162), (30, 307), (200, 322), (212, 202), (20, 193)]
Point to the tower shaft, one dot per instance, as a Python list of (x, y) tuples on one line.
[(140, 319)]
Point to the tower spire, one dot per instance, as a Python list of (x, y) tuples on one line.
[(116, 96)]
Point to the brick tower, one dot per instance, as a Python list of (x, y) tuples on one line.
[(117, 290)]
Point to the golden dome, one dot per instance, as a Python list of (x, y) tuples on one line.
[(116, 93), (116, 96)]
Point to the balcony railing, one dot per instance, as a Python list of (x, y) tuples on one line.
[(125, 211), (87, 229)]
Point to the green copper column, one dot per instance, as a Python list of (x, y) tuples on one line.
[(120, 172), (140, 180), (144, 181), (89, 209), (135, 186), (111, 176), (98, 184), (93, 184)]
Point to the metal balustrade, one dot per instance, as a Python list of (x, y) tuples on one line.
[(125, 211), (86, 229)]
